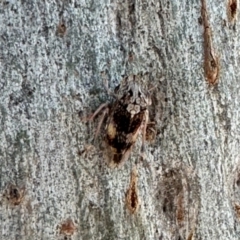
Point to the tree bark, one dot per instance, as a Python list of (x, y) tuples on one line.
[(55, 184)]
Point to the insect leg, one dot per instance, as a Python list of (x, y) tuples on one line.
[(110, 92), (100, 108), (101, 122)]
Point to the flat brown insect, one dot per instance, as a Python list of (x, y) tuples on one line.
[(127, 117)]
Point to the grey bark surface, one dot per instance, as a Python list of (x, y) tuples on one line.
[(188, 185)]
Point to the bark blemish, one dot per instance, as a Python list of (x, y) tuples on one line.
[(211, 59), (171, 190), (151, 132), (132, 198), (14, 194), (237, 210), (180, 208), (232, 10), (68, 227), (61, 29), (190, 236), (178, 199)]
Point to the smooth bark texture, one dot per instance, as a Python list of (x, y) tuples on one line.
[(55, 183)]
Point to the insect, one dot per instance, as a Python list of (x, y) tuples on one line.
[(127, 116)]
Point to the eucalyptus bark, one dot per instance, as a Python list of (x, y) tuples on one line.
[(55, 184)]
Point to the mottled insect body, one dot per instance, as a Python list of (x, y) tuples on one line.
[(127, 117)]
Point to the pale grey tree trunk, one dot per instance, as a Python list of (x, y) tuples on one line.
[(55, 183)]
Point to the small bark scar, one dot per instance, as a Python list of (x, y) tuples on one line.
[(211, 60), (232, 11), (145, 123), (132, 198)]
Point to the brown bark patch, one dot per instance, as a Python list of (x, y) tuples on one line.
[(178, 199), (61, 29), (237, 210), (190, 236), (68, 228), (132, 198), (151, 132), (180, 208), (232, 10), (14, 194)]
